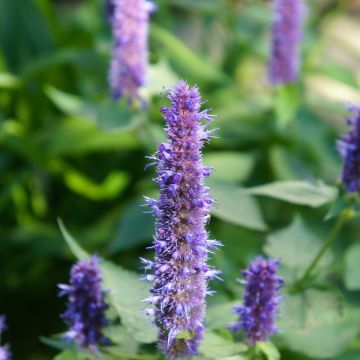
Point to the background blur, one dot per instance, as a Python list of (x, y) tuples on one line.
[(68, 151)]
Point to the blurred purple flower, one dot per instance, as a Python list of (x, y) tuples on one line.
[(286, 38), (86, 305), (349, 148), (130, 25), (5, 353), (180, 273), (261, 300)]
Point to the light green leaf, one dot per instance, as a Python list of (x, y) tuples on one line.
[(126, 294), (352, 267), (220, 315), (296, 246), (161, 77), (230, 165), (235, 205), (9, 81), (297, 192), (287, 103), (216, 347), (269, 350), (190, 63), (78, 251)]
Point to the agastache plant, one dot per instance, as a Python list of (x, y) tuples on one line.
[(130, 25), (349, 148), (5, 353), (260, 301), (180, 273), (286, 38), (85, 314)]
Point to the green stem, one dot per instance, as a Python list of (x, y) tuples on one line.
[(327, 243)]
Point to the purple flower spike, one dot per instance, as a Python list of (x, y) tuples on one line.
[(130, 25), (349, 148), (5, 353), (86, 305), (180, 274), (261, 300), (286, 38)]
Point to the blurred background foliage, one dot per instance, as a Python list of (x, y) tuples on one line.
[(68, 151)]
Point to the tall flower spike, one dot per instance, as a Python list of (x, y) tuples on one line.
[(180, 273), (261, 300), (5, 353), (349, 149), (86, 305), (128, 68), (286, 39)]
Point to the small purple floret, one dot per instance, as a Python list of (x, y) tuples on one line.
[(180, 274), (261, 300), (349, 149), (86, 305), (5, 353), (286, 39), (130, 26)]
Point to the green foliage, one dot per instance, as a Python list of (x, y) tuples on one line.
[(68, 151)]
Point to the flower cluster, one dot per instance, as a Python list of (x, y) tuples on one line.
[(349, 148), (180, 273), (261, 300), (86, 305), (286, 37), (5, 353), (130, 22)]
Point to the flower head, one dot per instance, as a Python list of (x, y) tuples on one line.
[(180, 273), (130, 23), (261, 300), (286, 37), (86, 305), (349, 149), (5, 353)]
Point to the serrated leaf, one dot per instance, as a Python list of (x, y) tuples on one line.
[(352, 267), (296, 246), (269, 350), (216, 347), (126, 294), (297, 192), (77, 250), (235, 205)]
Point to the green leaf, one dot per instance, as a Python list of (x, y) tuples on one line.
[(126, 294), (197, 68), (216, 347), (235, 205), (72, 355), (297, 192), (269, 350), (135, 227), (9, 81), (161, 77), (287, 103), (230, 165), (78, 251), (220, 315), (352, 268), (296, 246)]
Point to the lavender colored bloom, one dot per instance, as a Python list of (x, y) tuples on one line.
[(130, 23), (5, 353), (180, 273), (2, 324), (349, 148), (86, 305), (286, 38), (261, 300)]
